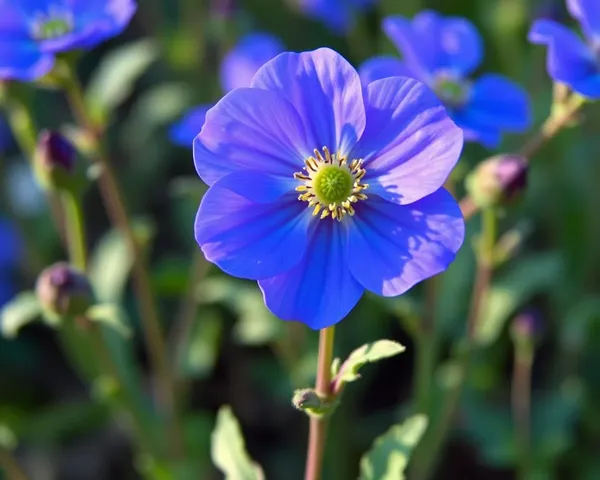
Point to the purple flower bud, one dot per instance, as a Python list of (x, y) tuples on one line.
[(527, 326), (64, 291), (498, 180), (55, 151)]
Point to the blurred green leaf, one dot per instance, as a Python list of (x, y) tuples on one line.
[(112, 316), (512, 289), (368, 353), (20, 311), (8, 439), (198, 354), (114, 79), (228, 449), (389, 456)]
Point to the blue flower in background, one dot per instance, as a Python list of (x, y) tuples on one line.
[(237, 70), (338, 15), (10, 249), (571, 60), (320, 189), (443, 52), (32, 32)]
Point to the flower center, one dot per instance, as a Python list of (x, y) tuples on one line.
[(330, 184), (452, 90), (52, 25)]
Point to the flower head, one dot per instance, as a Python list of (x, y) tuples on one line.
[(32, 32), (237, 70), (571, 60), (320, 189), (338, 15), (443, 52)]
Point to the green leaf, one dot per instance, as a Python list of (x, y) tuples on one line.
[(389, 456), (228, 450), (22, 310), (111, 316), (114, 79), (368, 353), (199, 353), (529, 276)]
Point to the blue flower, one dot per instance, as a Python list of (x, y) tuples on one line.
[(320, 189), (571, 60), (32, 32), (237, 70), (443, 52), (338, 15), (10, 252)]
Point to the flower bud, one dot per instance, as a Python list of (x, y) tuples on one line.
[(56, 162), (498, 180), (526, 327), (64, 291), (306, 398)]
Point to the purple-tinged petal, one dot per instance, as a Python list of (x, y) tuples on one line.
[(569, 59), (325, 91), (410, 144), (587, 12), (242, 62), (250, 129), (319, 291), (496, 104), (419, 54), (23, 61), (394, 247), (185, 130), (252, 225), (377, 68)]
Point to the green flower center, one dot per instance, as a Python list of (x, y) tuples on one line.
[(54, 25), (330, 184), (452, 90)]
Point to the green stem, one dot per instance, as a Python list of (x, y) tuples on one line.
[(436, 440), (318, 424), (10, 466), (165, 389), (521, 404), (75, 230)]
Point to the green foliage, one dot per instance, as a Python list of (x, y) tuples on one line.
[(20, 311), (111, 316)]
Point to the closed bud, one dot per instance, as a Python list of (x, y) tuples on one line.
[(526, 327), (64, 291), (306, 398), (498, 180), (56, 162)]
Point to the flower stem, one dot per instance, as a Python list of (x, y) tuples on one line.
[(552, 126), (521, 404), (435, 441), (115, 205), (318, 424), (10, 466), (75, 230)]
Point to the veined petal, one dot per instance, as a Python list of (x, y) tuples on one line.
[(22, 60), (252, 226), (410, 144), (320, 291), (185, 130), (394, 247), (250, 129), (380, 67), (325, 91), (419, 54), (569, 58), (587, 12)]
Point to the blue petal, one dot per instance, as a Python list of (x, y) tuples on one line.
[(496, 104), (326, 92), (333, 13), (394, 247), (587, 12), (588, 87), (252, 225), (377, 68), (410, 144), (250, 129), (10, 245), (185, 130), (320, 291), (461, 45), (243, 61), (569, 59), (23, 61)]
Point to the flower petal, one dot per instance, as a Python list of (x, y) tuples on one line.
[(410, 144), (419, 54), (394, 247), (569, 59), (333, 13), (22, 60), (10, 245), (588, 87), (320, 291), (461, 45), (326, 92), (185, 130), (587, 12), (241, 63), (496, 104), (252, 226), (250, 129), (380, 67)]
